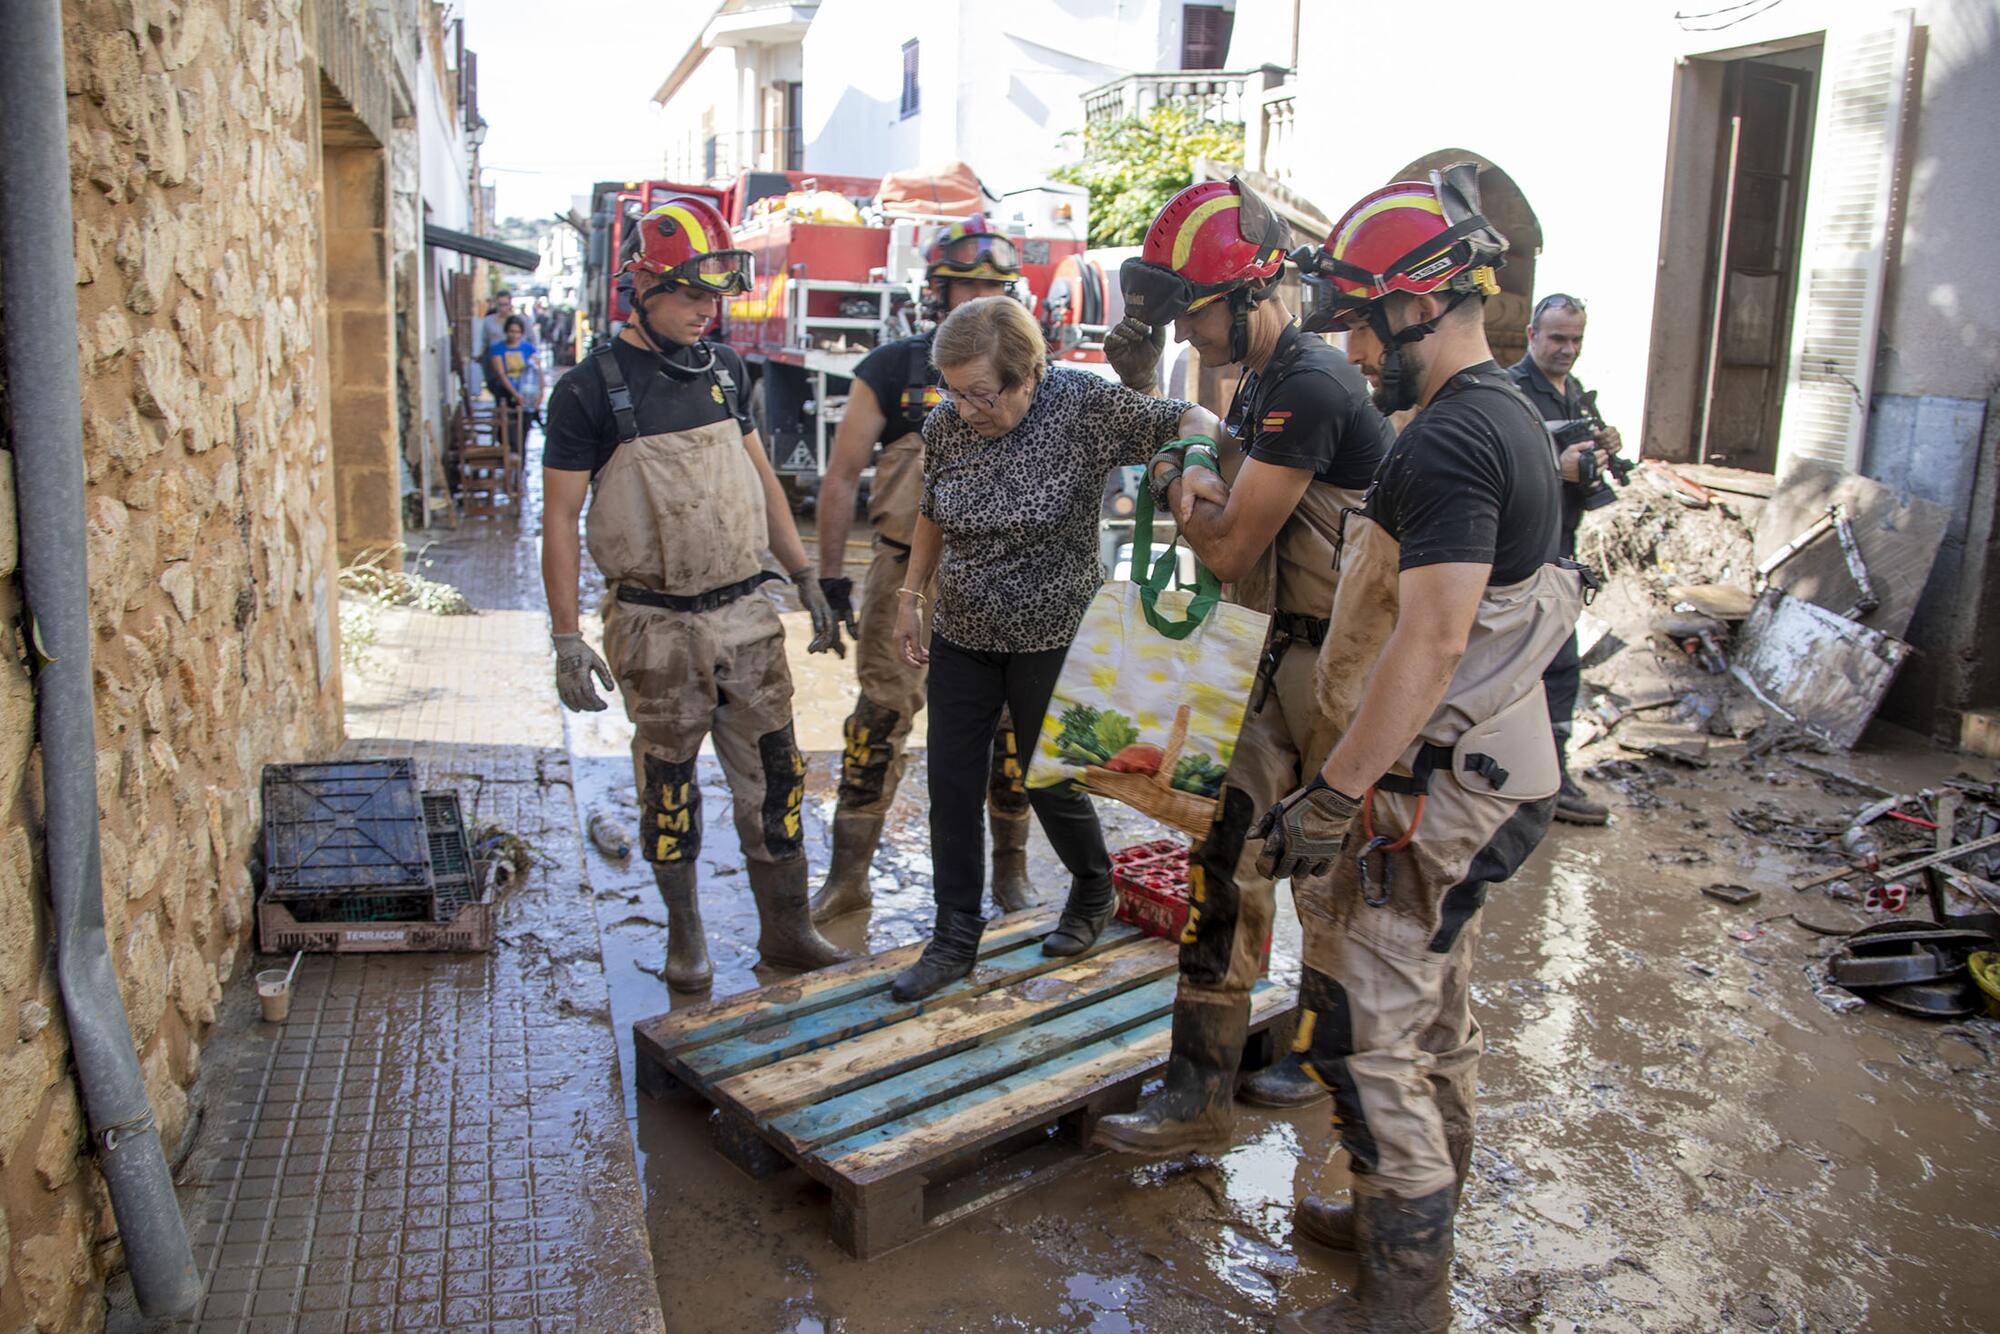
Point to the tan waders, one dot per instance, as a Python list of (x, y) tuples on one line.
[(1385, 1017), (677, 525), (892, 692), (1284, 734)]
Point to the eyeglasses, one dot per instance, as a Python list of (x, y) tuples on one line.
[(1556, 301), (984, 402)]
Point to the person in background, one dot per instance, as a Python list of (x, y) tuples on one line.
[(493, 329), (654, 429), (1014, 464), (518, 377), (1546, 376), (895, 388)]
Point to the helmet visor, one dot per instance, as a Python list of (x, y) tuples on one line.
[(971, 252), (722, 271)]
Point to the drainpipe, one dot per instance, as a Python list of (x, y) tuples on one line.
[(44, 394)]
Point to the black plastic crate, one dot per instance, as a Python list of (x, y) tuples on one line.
[(362, 908), (352, 828), (450, 853)]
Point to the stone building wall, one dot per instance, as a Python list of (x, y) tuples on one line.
[(201, 300)]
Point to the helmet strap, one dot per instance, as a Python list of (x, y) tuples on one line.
[(1399, 388), (663, 347), (1240, 301)]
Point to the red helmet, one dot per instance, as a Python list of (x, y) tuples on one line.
[(685, 241), (1412, 236), (1210, 239), (970, 248)]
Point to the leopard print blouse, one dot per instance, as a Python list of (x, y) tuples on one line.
[(1020, 514)]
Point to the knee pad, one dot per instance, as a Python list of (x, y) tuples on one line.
[(1324, 1041), (669, 811), (784, 792), (1006, 787), (1208, 939), (866, 752)]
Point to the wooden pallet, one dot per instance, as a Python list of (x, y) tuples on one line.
[(918, 1115)]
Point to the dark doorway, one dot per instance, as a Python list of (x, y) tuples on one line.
[(1762, 161)]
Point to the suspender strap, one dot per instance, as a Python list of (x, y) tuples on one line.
[(618, 392), (917, 387), (1311, 629), (1429, 760)]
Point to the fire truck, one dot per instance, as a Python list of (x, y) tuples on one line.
[(838, 273)]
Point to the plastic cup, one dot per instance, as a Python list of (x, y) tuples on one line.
[(274, 992)]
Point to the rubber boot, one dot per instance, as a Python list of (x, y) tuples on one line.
[(846, 890), (1196, 1108), (1329, 1220), (786, 937), (1011, 890), (688, 968), (950, 955), (1403, 1283), (1089, 910), (1282, 1084)]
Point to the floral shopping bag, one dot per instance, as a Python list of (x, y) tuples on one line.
[(1153, 691)]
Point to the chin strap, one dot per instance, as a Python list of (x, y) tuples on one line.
[(1399, 390), (665, 348)]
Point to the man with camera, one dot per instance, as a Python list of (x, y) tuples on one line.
[(1588, 449)]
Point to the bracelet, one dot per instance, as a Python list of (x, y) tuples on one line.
[(914, 593)]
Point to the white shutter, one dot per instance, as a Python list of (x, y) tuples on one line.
[(1849, 210)]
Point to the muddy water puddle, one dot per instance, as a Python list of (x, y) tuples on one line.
[(1674, 1133)]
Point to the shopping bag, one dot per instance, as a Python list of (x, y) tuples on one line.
[(1152, 693)]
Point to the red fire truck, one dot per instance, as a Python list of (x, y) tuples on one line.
[(836, 275)]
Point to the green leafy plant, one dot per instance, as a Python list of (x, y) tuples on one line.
[(1134, 165), (1115, 732), (1078, 738), (1199, 774)]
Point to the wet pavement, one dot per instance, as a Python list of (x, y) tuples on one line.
[(1675, 1133)]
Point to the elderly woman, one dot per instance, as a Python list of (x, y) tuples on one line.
[(1014, 466)]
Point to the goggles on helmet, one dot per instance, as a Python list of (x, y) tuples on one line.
[(976, 255), (1155, 295), (719, 271)]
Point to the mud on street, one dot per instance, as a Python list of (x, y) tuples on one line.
[(1675, 1131)]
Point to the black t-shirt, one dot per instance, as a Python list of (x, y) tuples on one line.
[(582, 434), (887, 371), (1472, 479), (1310, 409)]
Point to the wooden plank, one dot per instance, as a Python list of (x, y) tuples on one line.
[(667, 1033), (1006, 1106), (1979, 732), (822, 1028), (933, 1035), (1038, 1045), (1725, 602)]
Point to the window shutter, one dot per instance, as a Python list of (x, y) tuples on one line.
[(1850, 206), (1205, 36)]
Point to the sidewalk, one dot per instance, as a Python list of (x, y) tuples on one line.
[(437, 1141)]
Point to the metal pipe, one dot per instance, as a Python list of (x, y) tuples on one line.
[(44, 398)]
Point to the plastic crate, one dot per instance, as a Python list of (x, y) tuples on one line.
[(450, 853), (1151, 881), (469, 930), (350, 828)]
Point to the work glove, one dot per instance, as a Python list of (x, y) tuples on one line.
[(826, 627), (576, 663), (840, 597), (1303, 833), (1133, 348)]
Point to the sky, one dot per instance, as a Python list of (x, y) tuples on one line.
[(567, 92)]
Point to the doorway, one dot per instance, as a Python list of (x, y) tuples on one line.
[(1763, 153)]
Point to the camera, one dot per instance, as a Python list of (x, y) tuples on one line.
[(1590, 475)]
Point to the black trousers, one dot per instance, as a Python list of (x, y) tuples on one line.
[(966, 691), (1563, 681)]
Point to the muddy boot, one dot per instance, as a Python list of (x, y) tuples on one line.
[(1196, 1109), (1084, 917), (1282, 1084), (786, 937), (846, 889), (1011, 890), (1574, 805), (687, 948), (1404, 1282), (1330, 1221), (950, 955)]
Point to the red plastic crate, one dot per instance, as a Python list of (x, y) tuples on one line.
[(1151, 880)]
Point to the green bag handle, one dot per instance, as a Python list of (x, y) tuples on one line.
[(1207, 588)]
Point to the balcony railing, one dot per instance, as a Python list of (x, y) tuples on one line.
[(1222, 96), (721, 157), (1268, 143)]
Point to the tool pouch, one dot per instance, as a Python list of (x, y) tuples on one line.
[(1512, 754)]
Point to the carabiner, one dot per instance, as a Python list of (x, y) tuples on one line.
[(1386, 847)]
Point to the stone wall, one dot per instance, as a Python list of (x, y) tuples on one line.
[(194, 131)]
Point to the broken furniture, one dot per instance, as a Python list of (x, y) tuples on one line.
[(917, 1114), (1822, 671)]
